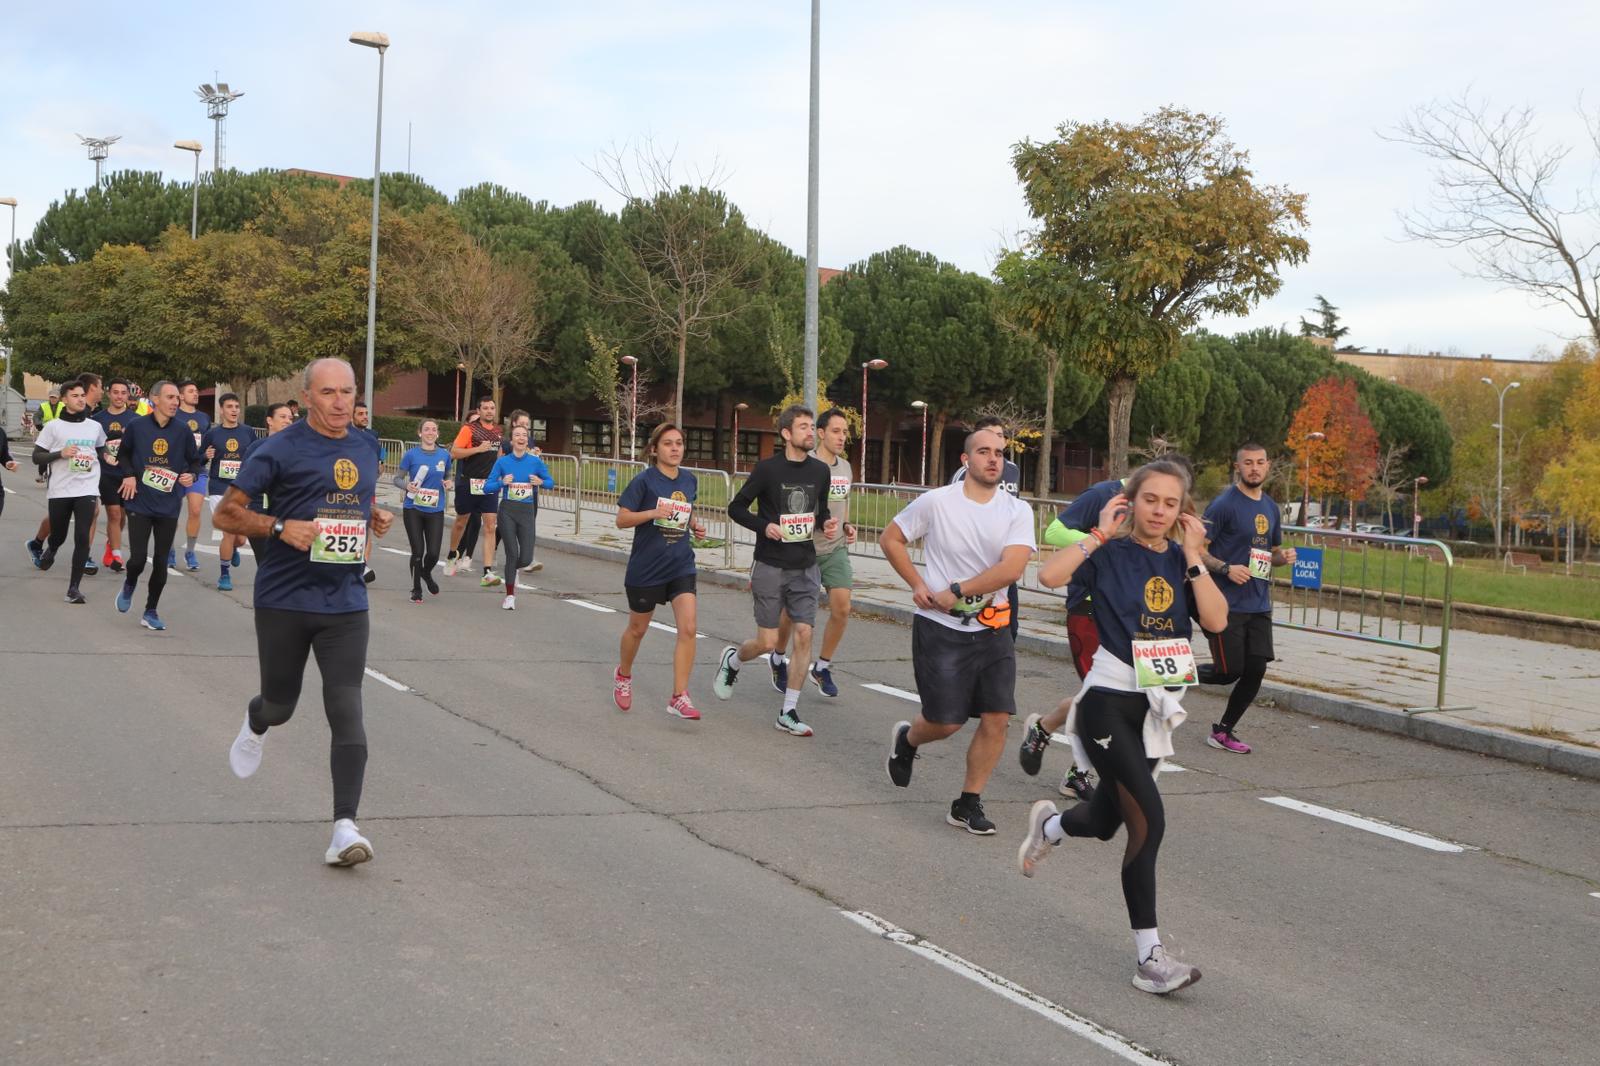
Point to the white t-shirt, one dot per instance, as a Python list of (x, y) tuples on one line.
[(962, 538), (79, 476)]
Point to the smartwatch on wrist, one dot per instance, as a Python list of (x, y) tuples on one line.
[(277, 529), (1196, 571), (955, 589)]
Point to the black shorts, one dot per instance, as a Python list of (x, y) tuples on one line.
[(467, 503), (111, 492), (643, 599), (1248, 636), (963, 673)]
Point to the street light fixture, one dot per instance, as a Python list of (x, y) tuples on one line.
[(194, 210), (736, 409), (870, 364), (633, 407), (1500, 454), (1416, 505), (922, 405), (1305, 500), (381, 43), (11, 266)]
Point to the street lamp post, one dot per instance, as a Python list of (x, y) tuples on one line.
[(809, 371), (1416, 505), (633, 407), (460, 414), (1305, 499), (870, 364), (381, 43), (1500, 455), (922, 405), (11, 266), (194, 210), (736, 409)]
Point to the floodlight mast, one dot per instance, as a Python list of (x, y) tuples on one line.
[(99, 148), (217, 98)]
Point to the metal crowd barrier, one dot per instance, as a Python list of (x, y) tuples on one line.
[(594, 483)]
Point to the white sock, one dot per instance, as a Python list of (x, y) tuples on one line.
[(1146, 941), (734, 663), (791, 699), (822, 664), (778, 658), (1053, 831)]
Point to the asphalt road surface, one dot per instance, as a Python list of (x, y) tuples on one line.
[(556, 881)]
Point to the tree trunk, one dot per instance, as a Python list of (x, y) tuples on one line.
[(616, 427), (1120, 397), (1052, 367), (683, 364), (936, 443), (466, 395)]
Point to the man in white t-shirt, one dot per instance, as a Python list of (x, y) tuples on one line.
[(70, 445), (976, 541)]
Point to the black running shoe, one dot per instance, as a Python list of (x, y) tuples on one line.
[(1034, 741), (780, 674), (89, 568), (1077, 785), (46, 559), (970, 816), (901, 755), (74, 596), (431, 584)]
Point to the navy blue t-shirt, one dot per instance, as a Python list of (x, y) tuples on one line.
[(230, 445), (1238, 526), (1138, 594), (1083, 514), (660, 553), (434, 466), (155, 456), (115, 426), (256, 502), (372, 437), (196, 421), (308, 477)]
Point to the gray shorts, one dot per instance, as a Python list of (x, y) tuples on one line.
[(776, 590)]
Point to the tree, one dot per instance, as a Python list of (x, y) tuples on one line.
[(1344, 462), (1492, 198), (1572, 484), (1389, 480), (1164, 222), (605, 382), (1328, 322)]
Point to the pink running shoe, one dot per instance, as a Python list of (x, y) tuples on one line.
[(1224, 739), (622, 691), (680, 706)]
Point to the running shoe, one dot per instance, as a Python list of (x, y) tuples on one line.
[(1160, 975), (191, 561), (244, 757), (349, 847), (74, 596), (35, 549), (125, 597), (151, 620), (727, 673), (45, 560), (369, 575), (970, 816), (1036, 846), (452, 564), (901, 755), (509, 603), (1224, 739), (490, 580), (89, 568), (113, 560), (432, 585), (1078, 785), (533, 567), (416, 595), (1034, 740), (622, 691), (823, 679), (225, 583), (780, 674), (236, 559), (172, 559), (680, 707), (789, 722)]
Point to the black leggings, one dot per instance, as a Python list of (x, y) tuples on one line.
[(1111, 725), (1246, 685), (425, 531), (140, 528), (79, 510), (283, 640)]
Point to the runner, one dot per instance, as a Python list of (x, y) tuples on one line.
[(70, 445), (198, 423), (424, 468), (319, 481), (976, 541), (48, 412), (225, 445), (6, 461), (1144, 580), (93, 392), (361, 425), (90, 383), (1245, 528), (114, 419), (279, 418), (790, 492), (159, 459), (658, 505), (522, 418), (467, 539), (475, 449), (517, 477), (833, 557), (1011, 481)]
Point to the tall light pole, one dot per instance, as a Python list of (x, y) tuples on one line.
[(870, 364), (1500, 455), (381, 43), (194, 211), (1305, 500), (11, 267), (217, 98), (922, 405), (99, 149), (633, 407), (1416, 505), (736, 409), (809, 388)]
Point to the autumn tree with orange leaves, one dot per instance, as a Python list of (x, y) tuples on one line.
[(1345, 462)]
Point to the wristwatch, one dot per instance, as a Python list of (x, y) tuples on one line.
[(277, 529), (1195, 571), (955, 589)]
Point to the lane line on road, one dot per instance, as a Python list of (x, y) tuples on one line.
[(890, 690), (1596, 895), (592, 606), (1071, 1021), (673, 629), (1370, 825), (387, 680)]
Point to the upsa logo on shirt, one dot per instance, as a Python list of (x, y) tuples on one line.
[(1157, 594), (194, 426), (1261, 523), (679, 497), (159, 446), (233, 445), (345, 474)]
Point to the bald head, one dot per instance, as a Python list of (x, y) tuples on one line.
[(329, 388), (985, 456)]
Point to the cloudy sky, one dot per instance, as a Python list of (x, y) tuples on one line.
[(921, 103)]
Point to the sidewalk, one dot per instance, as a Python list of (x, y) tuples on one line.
[(1517, 699)]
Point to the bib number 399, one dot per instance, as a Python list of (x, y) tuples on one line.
[(340, 541), (1163, 664)]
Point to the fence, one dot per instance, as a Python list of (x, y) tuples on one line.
[(1373, 588)]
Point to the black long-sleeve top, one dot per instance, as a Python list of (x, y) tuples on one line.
[(780, 488)]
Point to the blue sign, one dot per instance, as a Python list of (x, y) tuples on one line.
[(1307, 568), (611, 479)]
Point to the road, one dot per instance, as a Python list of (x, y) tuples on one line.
[(557, 881)]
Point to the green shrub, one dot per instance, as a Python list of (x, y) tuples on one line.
[(404, 428)]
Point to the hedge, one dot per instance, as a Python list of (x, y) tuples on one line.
[(392, 427)]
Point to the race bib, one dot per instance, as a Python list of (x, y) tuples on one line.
[(967, 606), (518, 493), (475, 485), (340, 540), (838, 488), (228, 469), (198, 437), (679, 518), (112, 448), (1261, 564), (80, 463), (1163, 664), (159, 478), (797, 527), (425, 497)]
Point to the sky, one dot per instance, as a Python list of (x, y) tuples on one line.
[(921, 104)]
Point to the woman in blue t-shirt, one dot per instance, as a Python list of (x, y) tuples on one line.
[(658, 505), (424, 468), (1142, 567)]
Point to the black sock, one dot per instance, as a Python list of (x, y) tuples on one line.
[(967, 799)]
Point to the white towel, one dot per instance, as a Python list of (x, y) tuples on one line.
[(1166, 708)]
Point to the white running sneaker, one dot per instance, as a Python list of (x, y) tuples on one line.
[(508, 604), (452, 566), (1035, 847), (349, 847), (533, 567), (1160, 975), (245, 755)]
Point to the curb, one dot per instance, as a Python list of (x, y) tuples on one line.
[(1554, 755)]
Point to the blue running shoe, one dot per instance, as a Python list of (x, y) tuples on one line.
[(152, 621), (190, 561), (780, 674), (237, 558), (225, 582), (90, 568), (172, 559), (823, 679), (35, 549), (125, 597)]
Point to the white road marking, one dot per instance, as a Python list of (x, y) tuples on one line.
[(592, 606), (890, 690), (1370, 825), (387, 680), (1596, 895), (1077, 1024)]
